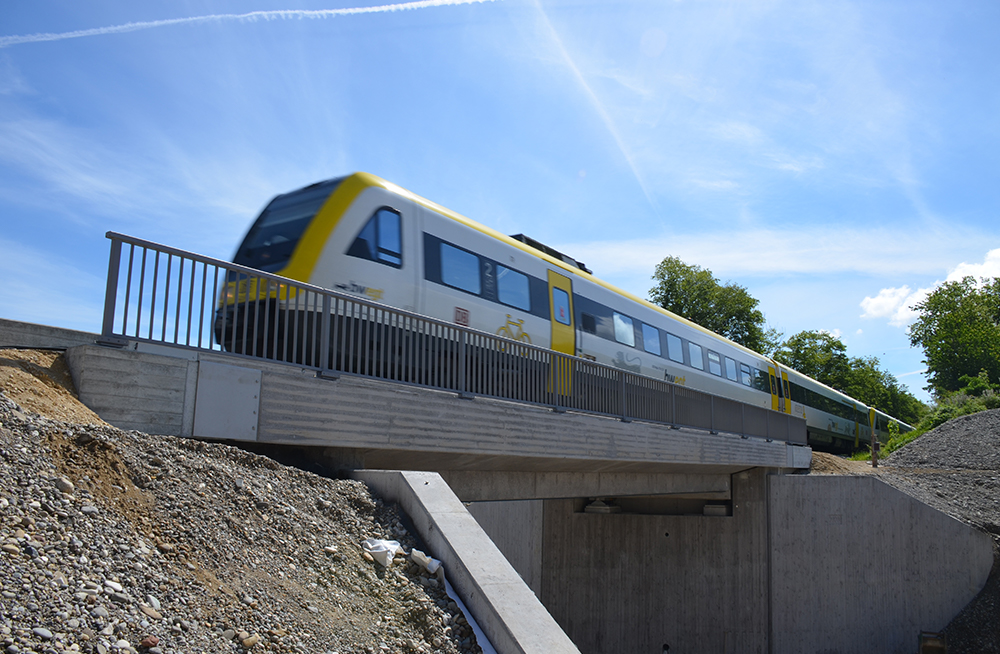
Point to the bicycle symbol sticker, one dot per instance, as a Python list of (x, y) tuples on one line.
[(513, 330)]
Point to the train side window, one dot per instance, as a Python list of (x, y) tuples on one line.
[(697, 360), (675, 348), (512, 288), (731, 373), (380, 239), (760, 380), (560, 305), (588, 323), (714, 363), (747, 375), (624, 330), (460, 269), (651, 339)]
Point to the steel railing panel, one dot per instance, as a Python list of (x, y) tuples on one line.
[(755, 421), (165, 295)]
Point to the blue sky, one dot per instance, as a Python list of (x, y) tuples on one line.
[(838, 159)]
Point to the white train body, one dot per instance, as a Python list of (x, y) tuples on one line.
[(364, 236)]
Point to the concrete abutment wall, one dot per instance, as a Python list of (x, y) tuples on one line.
[(805, 563)]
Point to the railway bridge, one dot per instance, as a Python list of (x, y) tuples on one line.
[(577, 507)]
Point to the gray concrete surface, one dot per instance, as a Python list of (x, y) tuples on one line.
[(858, 566), (509, 613), (486, 485), (137, 390), (26, 334), (633, 582), (373, 424), (515, 527), (803, 564)]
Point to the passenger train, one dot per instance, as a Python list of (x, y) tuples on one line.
[(365, 236)]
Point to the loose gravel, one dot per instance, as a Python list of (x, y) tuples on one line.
[(116, 541)]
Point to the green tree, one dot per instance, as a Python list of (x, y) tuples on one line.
[(959, 331), (726, 309), (823, 357), (817, 354), (879, 388)]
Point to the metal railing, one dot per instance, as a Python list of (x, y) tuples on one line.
[(164, 295)]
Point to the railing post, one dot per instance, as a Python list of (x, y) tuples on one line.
[(558, 381), (111, 297), (111, 292), (673, 405), (462, 338), (624, 417), (711, 415), (324, 341)]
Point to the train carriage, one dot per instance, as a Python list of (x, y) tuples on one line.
[(365, 236)]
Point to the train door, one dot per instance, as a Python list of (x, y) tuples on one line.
[(563, 329), (777, 401), (787, 396)]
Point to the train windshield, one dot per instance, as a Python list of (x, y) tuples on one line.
[(270, 242)]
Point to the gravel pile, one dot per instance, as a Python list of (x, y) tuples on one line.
[(956, 469), (968, 442), (120, 542)]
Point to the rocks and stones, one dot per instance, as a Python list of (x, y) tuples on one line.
[(92, 560)]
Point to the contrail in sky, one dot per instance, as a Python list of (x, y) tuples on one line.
[(609, 123), (7, 41)]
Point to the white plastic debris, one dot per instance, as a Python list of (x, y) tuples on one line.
[(382, 550), (481, 638), (427, 563)]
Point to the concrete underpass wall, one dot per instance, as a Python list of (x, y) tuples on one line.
[(818, 564), (634, 583), (858, 566)]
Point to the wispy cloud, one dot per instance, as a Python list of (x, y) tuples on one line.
[(896, 303), (155, 189), (810, 249), (65, 161), (11, 81), (72, 298), (283, 14)]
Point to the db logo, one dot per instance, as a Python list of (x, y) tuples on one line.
[(461, 317)]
